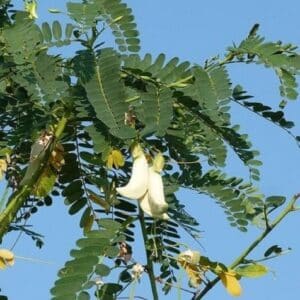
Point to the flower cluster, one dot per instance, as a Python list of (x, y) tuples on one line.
[(146, 184)]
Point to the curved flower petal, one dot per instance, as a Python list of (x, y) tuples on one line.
[(156, 192), (138, 183), (148, 208)]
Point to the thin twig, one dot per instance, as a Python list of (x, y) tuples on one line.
[(268, 120), (82, 175), (18, 237), (135, 297), (159, 280), (289, 208)]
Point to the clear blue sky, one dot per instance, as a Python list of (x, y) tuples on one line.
[(195, 30)]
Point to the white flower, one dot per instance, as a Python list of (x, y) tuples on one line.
[(153, 202), (146, 185), (137, 271), (98, 281), (138, 183)]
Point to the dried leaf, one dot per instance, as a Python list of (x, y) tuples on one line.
[(189, 260), (87, 226), (6, 258)]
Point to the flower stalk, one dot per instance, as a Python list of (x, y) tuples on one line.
[(150, 268)]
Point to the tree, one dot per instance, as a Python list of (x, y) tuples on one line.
[(117, 135)]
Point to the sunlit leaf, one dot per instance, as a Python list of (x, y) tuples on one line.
[(231, 283), (253, 270)]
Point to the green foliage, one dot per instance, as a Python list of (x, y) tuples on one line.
[(121, 21), (240, 200), (252, 270), (111, 99), (210, 87), (45, 183), (23, 39), (77, 274), (155, 111), (52, 35), (104, 90), (281, 57), (114, 13)]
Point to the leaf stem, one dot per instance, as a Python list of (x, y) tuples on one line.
[(18, 198), (150, 268), (289, 208)]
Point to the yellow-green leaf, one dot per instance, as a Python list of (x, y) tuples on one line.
[(88, 224), (231, 283), (100, 201), (45, 183), (253, 271), (3, 167), (54, 10), (158, 162)]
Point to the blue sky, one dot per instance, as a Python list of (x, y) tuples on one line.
[(196, 30)]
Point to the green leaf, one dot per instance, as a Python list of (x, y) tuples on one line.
[(156, 110), (25, 35), (109, 224), (83, 13), (66, 288), (57, 30), (275, 201), (99, 140), (83, 296), (239, 203), (102, 270), (121, 21), (275, 249), (89, 242), (282, 58), (85, 216), (54, 10), (69, 30), (105, 91), (47, 33), (125, 276), (112, 251), (209, 89), (77, 206), (45, 183), (86, 251), (253, 270), (110, 288)]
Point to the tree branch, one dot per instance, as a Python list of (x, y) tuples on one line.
[(289, 208), (34, 171)]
